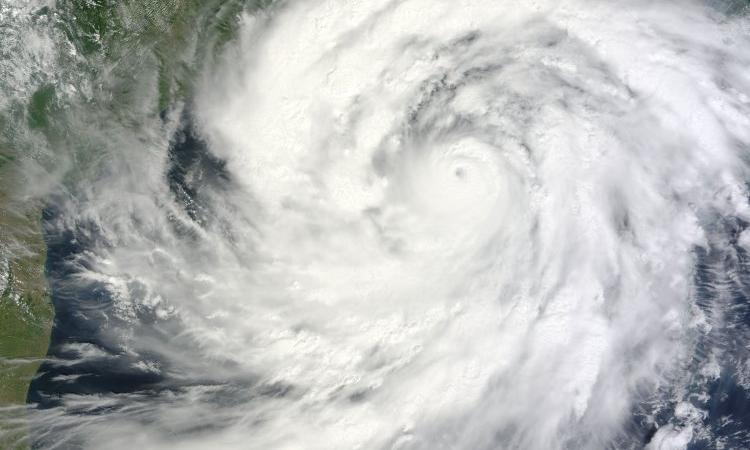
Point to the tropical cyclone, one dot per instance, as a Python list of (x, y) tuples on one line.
[(497, 203), (420, 224)]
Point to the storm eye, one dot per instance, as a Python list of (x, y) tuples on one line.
[(460, 173)]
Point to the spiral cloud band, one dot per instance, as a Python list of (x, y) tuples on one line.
[(422, 224)]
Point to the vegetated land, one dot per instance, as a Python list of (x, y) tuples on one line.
[(25, 310)]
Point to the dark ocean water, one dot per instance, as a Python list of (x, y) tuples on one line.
[(85, 356)]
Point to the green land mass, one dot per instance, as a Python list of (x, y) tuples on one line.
[(25, 313), (118, 44)]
